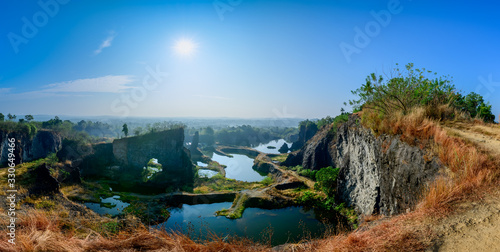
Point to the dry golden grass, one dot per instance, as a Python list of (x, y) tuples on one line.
[(400, 233), (39, 230)]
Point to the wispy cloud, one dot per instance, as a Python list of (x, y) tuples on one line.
[(74, 88), (4, 90), (105, 43), (106, 84), (213, 97)]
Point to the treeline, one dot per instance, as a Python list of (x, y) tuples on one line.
[(243, 135), (91, 132), (24, 125)]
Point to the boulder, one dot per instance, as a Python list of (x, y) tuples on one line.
[(44, 183)]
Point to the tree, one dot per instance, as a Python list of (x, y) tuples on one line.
[(207, 136), (476, 107), (403, 92), (21, 120), (2, 117), (29, 118), (137, 131), (11, 117), (125, 129), (327, 179), (52, 123)]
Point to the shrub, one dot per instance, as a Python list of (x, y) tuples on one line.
[(412, 88), (267, 181), (403, 92), (327, 180)]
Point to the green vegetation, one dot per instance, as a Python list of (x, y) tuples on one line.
[(267, 181), (323, 196), (11, 117), (236, 209), (303, 172), (150, 170), (476, 107), (411, 88), (28, 128), (162, 126), (327, 180), (29, 118), (244, 135), (219, 183), (309, 128), (45, 203), (125, 129), (109, 229), (279, 158)]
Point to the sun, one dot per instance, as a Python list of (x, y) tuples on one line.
[(185, 47)]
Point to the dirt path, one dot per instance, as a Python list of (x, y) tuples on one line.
[(486, 137), (476, 226)]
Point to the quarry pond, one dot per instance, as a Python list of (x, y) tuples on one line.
[(239, 167), (112, 205), (272, 147), (273, 225), (283, 225)]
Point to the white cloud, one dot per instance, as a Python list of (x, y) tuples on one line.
[(106, 84), (105, 43)]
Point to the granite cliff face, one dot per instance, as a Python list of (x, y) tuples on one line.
[(124, 160), (378, 175), (29, 148)]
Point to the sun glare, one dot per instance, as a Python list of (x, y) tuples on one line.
[(185, 47)]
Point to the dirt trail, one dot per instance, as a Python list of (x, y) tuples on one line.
[(484, 136), (476, 226)]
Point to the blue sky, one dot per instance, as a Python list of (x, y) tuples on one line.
[(251, 58)]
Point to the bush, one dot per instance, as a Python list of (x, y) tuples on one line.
[(304, 172), (408, 89), (412, 88), (476, 107), (327, 180), (267, 181)]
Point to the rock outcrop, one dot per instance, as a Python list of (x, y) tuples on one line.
[(195, 142), (284, 148), (378, 175), (28, 147), (307, 130), (124, 160), (44, 183)]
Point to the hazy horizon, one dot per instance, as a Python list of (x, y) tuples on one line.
[(232, 59)]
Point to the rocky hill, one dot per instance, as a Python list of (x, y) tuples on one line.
[(378, 174)]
